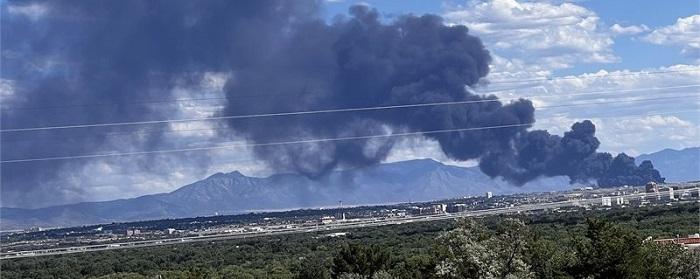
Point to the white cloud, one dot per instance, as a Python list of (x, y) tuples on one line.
[(675, 75), (126, 177), (503, 68), (626, 122), (684, 33), (628, 30), (552, 35), (7, 89), (130, 176), (636, 135), (33, 11)]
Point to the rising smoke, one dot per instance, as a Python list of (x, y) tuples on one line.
[(361, 62), (111, 56), (282, 57)]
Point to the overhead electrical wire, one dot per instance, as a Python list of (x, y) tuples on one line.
[(219, 98), (43, 138), (293, 113), (166, 151)]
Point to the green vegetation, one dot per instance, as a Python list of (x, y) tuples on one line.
[(583, 244)]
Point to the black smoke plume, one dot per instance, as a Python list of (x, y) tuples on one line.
[(105, 60), (282, 56), (537, 153), (361, 62)]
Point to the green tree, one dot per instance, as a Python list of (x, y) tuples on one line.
[(547, 259), (510, 245), (471, 251), (659, 261), (382, 274), (420, 266), (123, 276), (349, 275), (312, 268), (463, 252), (234, 272), (360, 259), (604, 251)]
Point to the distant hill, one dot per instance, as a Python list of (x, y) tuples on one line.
[(231, 193), (675, 165)]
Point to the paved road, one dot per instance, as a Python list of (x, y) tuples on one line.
[(340, 225)]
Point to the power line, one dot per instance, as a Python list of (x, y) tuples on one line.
[(164, 131), (294, 142), (294, 113), (155, 101), (259, 144), (499, 99)]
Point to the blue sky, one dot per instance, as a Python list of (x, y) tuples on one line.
[(654, 14), (617, 41), (634, 53)]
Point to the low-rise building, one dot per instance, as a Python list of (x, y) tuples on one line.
[(690, 242), (457, 207), (652, 187), (620, 200), (439, 208)]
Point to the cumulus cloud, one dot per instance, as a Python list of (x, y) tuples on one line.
[(7, 89), (684, 33), (32, 11), (418, 147), (555, 35), (672, 119), (153, 51), (641, 134), (624, 122), (503, 68), (628, 30), (530, 39)]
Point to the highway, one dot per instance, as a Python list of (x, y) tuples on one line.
[(334, 226)]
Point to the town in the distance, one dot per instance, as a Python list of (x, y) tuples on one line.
[(338, 221)]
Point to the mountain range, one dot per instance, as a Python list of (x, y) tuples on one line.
[(675, 165), (235, 193)]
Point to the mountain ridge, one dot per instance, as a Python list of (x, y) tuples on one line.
[(235, 193), (675, 165)]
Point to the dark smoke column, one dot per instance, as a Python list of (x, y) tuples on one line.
[(282, 56), (537, 153), (361, 62)]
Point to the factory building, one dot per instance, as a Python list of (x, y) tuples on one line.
[(620, 200)]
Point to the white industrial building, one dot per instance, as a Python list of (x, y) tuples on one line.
[(620, 200)]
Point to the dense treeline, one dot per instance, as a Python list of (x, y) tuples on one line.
[(585, 244)]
